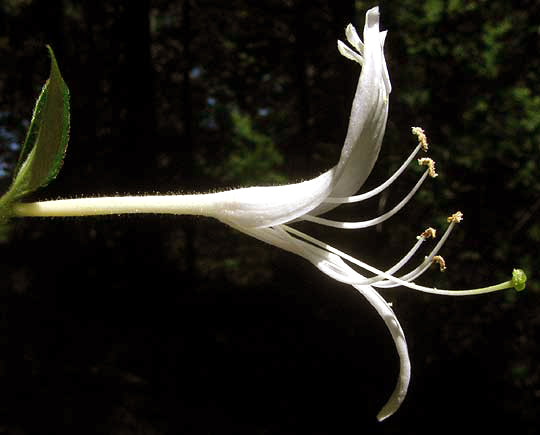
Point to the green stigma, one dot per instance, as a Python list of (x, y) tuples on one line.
[(518, 279)]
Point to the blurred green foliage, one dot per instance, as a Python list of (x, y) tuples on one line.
[(476, 92), (251, 157)]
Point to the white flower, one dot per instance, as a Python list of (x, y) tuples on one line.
[(262, 211), (265, 212)]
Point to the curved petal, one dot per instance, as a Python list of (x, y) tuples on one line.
[(400, 390), (368, 117), (369, 113), (336, 268)]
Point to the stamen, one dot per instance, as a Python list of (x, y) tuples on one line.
[(420, 239), (426, 161), (418, 271), (440, 261), (378, 189), (370, 222), (422, 139), (363, 265), (428, 232), (457, 217)]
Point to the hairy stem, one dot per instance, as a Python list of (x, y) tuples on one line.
[(170, 204)]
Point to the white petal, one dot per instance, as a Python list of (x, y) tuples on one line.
[(354, 39), (349, 53), (336, 268), (368, 114), (391, 321), (386, 76), (368, 117)]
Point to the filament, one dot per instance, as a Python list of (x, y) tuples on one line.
[(389, 277), (378, 189), (370, 222), (428, 261), (398, 265)]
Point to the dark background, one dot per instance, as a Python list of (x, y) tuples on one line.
[(175, 324)]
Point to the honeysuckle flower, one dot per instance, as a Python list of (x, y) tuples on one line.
[(266, 212)]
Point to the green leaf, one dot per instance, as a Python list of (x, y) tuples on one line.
[(45, 145), (46, 141)]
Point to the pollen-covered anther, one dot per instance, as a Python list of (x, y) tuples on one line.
[(426, 161), (457, 217), (428, 232), (421, 135), (440, 261)]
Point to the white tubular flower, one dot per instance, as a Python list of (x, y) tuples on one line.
[(265, 212), (262, 211)]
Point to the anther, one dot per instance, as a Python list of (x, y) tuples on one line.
[(421, 135), (426, 161), (440, 261), (457, 217), (428, 232)]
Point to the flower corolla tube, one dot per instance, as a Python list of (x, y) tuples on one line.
[(267, 212)]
